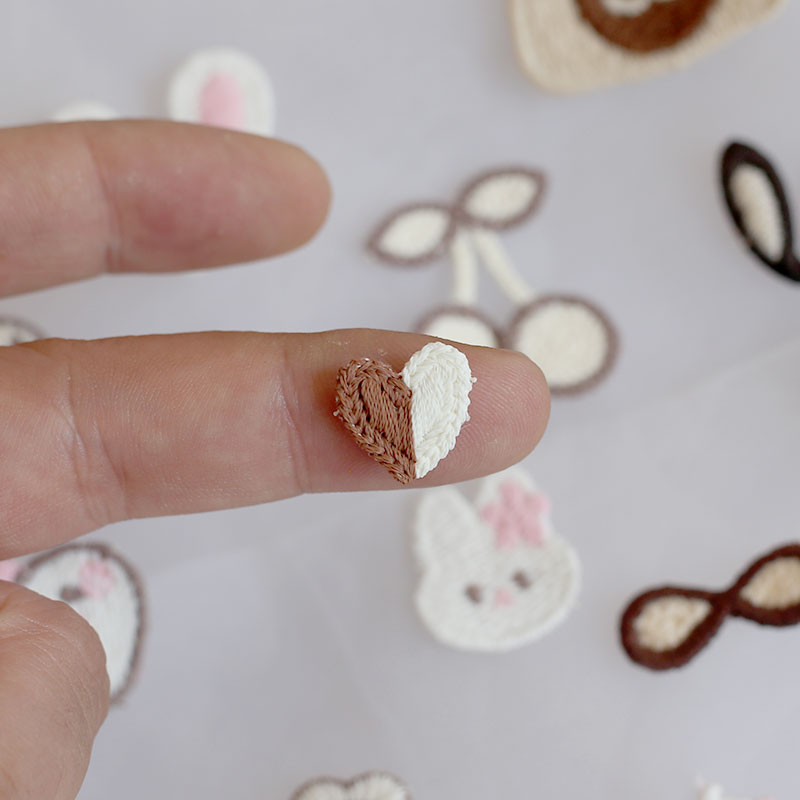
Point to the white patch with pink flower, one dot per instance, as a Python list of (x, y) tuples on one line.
[(104, 590), (495, 575)]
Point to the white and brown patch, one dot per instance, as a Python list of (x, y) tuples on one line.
[(667, 627), (105, 590), (759, 207), (569, 46), (407, 421), (371, 786)]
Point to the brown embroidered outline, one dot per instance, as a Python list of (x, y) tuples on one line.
[(464, 311), (437, 251), (738, 154), (612, 352), (723, 604), (529, 210), (106, 552), (348, 785), (662, 26), (374, 403)]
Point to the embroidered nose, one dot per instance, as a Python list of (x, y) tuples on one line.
[(502, 597)]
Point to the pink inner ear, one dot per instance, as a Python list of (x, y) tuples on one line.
[(96, 579), (10, 569), (222, 103)]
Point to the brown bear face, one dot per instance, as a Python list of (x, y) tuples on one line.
[(645, 25)]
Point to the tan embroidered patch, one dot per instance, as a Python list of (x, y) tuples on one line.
[(375, 405), (663, 23)]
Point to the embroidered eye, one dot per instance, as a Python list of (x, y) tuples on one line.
[(474, 593), (522, 579), (69, 594)]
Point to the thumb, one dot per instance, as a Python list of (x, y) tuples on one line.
[(53, 696)]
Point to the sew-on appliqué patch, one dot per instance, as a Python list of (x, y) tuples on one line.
[(17, 331), (713, 791), (667, 627), (83, 111), (225, 88), (759, 207), (105, 590), (569, 46), (407, 421), (494, 575), (572, 340), (371, 786)]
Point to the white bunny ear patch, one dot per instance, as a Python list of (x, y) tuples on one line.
[(570, 46), (225, 88), (17, 331), (495, 575), (502, 198), (759, 207), (105, 590), (414, 235), (372, 786), (85, 110)]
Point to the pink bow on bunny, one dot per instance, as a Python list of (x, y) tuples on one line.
[(517, 517)]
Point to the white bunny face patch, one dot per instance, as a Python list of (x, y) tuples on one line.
[(373, 786), (495, 575), (225, 88), (104, 590)]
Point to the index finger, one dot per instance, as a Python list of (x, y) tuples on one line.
[(83, 198)]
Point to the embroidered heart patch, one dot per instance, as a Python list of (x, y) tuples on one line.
[(494, 576), (373, 786), (409, 421), (103, 589), (667, 627)]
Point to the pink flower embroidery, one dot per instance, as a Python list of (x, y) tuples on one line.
[(10, 569), (517, 517), (97, 579)]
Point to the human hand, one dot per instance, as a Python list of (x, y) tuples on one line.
[(97, 432)]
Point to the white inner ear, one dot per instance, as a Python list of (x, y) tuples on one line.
[(440, 381), (758, 204), (665, 623), (776, 585), (415, 233), (629, 8), (499, 198)]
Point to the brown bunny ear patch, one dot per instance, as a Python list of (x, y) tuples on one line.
[(667, 627)]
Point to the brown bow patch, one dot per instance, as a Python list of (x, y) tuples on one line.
[(375, 405), (662, 25)]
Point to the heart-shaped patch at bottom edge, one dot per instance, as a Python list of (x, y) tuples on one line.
[(371, 786)]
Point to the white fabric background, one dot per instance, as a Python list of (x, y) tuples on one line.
[(282, 642)]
